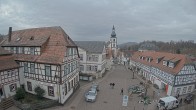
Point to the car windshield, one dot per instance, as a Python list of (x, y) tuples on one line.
[(162, 102), (91, 93)]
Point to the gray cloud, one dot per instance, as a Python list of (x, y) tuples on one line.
[(135, 20)]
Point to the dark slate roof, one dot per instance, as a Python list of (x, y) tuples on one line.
[(91, 46), (53, 39)]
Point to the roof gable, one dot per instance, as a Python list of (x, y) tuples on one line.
[(55, 39), (91, 46)]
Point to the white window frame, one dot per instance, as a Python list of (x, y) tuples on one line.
[(26, 69), (48, 72), (13, 87), (32, 67), (50, 91)]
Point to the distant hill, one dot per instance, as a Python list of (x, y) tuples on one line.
[(125, 46)]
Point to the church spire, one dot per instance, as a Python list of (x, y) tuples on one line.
[(113, 32)]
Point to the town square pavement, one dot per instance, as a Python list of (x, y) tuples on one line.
[(108, 98), (111, 99)]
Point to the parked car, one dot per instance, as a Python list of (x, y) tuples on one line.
[(95, 86), (91, 95), (189, 98)]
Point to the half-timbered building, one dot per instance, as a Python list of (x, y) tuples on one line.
[(92, 58), (175, 73), (48, 58), (9, 75)]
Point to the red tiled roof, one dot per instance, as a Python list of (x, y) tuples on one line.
[(183, 59), (55, 38), (7, 62)]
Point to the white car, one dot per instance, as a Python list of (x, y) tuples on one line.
[(91, 95)]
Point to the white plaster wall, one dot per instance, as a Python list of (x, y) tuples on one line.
[(156, 81), (181, 91), (43, 85), (7, 91), (65, 97)]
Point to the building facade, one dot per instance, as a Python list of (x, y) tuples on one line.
[(48, 58), (9, 75), (92, 57), (174, 73)]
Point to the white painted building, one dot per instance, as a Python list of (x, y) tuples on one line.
[(174, 73), (9, 75), (92, 57), (48, 58)]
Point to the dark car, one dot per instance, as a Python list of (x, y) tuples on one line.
[(189, 98)]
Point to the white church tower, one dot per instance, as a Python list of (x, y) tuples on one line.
[(113, 43)]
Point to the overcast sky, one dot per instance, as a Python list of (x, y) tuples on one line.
[(134, 20)]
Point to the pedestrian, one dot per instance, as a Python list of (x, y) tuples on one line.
[(121, 91), (180, 101), (113, 84), (110, 85), (178, 96)]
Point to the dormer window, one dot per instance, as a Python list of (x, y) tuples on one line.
[(149, 59), (159, 59), (32, 38), (171, 64), (165, 63)]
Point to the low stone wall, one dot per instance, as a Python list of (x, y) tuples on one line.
[(36, 106)]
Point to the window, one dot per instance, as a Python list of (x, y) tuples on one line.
[(29, 86), (113, 45), (47, 70), (32, 68), (17, 50), (13, 72), (65, 88), (22, 50), (81, 57), (65, 70), (88, 58), (184, 90), (95, 68), (171, 64), (50, 91), (12, 49), (71, 83), (114, 40), (189, 88), (178, 91), (13, 87), (68, 69), (81, 67), (89, 68), (71, 67), (69, 88), (165, 63), (26, 67), (9, 73), (32, 50)]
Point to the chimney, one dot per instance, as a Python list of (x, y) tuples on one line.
[(9, 34)]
